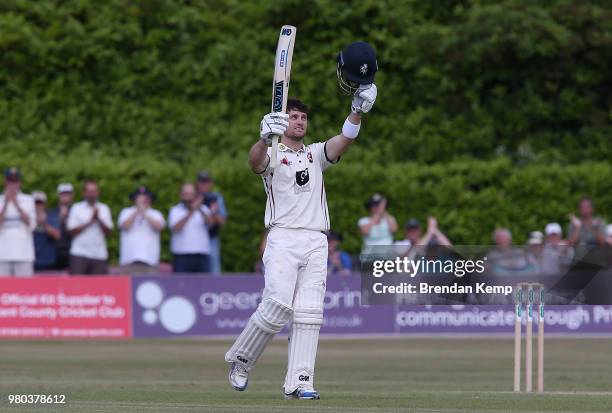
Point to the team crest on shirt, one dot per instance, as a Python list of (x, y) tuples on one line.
[(285, 161), (309, 156), (302, 181)]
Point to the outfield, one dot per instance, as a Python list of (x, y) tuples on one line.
[(376, 375)]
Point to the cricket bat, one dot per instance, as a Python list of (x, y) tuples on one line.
[(280, 84)]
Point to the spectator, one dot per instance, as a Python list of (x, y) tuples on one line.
[(190, 242), (535, 245), (89, 223), (215, 202), (586, 230), (378, 228), (556, 254), (413, 237), (338, 262), (140, 228), (46, 235), (609, 234), (65, 195), (17, 221), (506, 259)]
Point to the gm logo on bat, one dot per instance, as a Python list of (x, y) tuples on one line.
[(286, 32), (278, 96)]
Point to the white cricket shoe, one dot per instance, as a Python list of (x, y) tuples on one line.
[(302, 394), (238, 376)]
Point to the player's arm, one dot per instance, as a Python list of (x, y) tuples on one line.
[(272, 124), (363, 101)]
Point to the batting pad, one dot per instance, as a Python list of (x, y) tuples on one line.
[(303, 341), (269, 318)]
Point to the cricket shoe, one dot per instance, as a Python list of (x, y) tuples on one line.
[(238, 376), (302, 394)]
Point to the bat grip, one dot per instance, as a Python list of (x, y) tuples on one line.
[(274, 152)]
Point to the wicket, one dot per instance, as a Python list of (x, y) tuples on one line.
[(528, 291)]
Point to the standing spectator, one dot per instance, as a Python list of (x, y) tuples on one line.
[(338, 262), (378, 228), (190, 242), (556, 254), (215, 202), (89, 223), (140, 228), (413, 238), (17, 221), (46, 234), (65, 195), (586, 230)]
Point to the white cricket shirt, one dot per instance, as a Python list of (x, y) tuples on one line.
[(139, 243), (91, 242), (193, 238), (295, 190), (16, 238)]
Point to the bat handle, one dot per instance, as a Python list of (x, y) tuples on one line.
[(274, 153)]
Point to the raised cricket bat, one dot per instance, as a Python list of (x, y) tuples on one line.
[(280, 85)]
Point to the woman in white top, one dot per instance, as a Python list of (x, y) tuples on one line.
[(378, 228)]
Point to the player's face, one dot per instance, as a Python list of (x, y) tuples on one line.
[(298, 123)]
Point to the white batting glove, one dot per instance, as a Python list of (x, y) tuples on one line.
[(274, 123), (364, 98)]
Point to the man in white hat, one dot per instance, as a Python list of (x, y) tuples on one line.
[(557, 254)]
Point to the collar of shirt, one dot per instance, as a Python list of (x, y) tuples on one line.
[(284, 148)]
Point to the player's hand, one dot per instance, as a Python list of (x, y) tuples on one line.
[(274, 123), (364, 98)]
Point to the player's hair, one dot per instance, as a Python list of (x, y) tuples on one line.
[(296, 104)]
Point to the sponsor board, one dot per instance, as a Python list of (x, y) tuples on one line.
[(65, 307), (188, 305)]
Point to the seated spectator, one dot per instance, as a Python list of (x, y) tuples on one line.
[(412, 236), (556, 254), (505, 259), (17, 222), (215, 202), (190, 241), (534, 247), (89, 223), (46, 235), (377, 228), (65, 196), (586, 230), (140, 227), (338, 262)]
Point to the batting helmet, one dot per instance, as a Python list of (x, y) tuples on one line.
[(357, 65)]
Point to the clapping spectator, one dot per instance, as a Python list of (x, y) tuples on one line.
[(587, 230), (190, 242), (89, 223), (46, 234), (413, 238), (65, 195), (338, 262), (17, 221), (377, 228), (215, 202), (140, 227)]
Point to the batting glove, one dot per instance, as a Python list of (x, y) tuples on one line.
[(274, 123), (364, 98)]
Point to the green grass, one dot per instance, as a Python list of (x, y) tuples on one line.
[(377, 375)]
